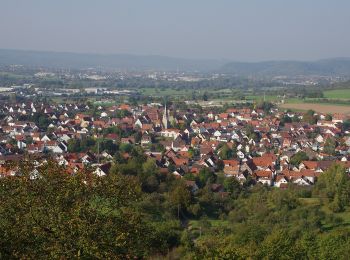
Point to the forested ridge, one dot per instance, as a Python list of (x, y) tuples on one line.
[(137, 212)]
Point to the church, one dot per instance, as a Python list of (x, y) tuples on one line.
[(165, 119)]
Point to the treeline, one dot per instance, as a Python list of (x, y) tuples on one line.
[(138, 212)]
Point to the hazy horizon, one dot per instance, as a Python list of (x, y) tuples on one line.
[(247, 31), (177, 57)]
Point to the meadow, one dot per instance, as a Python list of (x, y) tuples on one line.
[(337, 94)]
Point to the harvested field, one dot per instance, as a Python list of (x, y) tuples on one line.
[(321, 108)]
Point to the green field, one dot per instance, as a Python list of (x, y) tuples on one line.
[(271, 98), (338, 97), (334, 97), (187, 93), (162, 92), (337, 94)]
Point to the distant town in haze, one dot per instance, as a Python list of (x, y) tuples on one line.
[(112, 154)]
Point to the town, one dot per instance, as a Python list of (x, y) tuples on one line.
[(256, 143), (174, 130)]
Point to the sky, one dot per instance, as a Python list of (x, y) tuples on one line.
[(238, 30)]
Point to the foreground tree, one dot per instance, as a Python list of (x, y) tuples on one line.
[(334, 184), (58, 215)]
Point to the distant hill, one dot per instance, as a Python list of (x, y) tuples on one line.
[(113, 61), (335, 67)]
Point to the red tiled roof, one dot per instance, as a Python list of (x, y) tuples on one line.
[(265, 160), (231, 162)]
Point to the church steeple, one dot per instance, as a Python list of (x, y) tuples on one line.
[(165, 119)]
